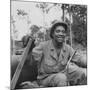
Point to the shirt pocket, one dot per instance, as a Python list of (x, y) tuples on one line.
[(64, 60), (50, 66), (50, 62)]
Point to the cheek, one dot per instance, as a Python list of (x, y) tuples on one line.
[(64, 35), (57, 34)]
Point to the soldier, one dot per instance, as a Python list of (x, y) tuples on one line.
[(52, 57)]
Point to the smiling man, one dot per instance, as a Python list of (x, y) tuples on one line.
[(52, 57)]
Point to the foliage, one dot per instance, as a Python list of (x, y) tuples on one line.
[(44, 6), (79, 25), (78, 13), (41, 35), (21, 12), (79, 31), (34, 29)]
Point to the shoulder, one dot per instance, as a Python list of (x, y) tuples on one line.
[(68, 47)]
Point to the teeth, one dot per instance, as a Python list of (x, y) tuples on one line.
[(60, 37)]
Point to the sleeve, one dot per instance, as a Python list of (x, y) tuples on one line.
[(37, 52), (78, 58)]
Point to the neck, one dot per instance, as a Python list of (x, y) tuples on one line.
[(57, 45)]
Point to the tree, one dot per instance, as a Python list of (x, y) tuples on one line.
[(45, 8), (21, 12), (79, 25), (80, 21), (41, 35), (34, 29)]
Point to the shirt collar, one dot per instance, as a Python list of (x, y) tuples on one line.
[(52, 48)]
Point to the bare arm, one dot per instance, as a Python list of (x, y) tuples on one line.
[(78, 58)]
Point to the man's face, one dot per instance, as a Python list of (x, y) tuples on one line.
[(59, 34)]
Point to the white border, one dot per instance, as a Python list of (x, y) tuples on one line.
[(5, 43), (60, 1)]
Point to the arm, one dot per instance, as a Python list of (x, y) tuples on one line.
[(37, 52), (78, 58)]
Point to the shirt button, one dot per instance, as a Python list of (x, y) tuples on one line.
[(63, 62)]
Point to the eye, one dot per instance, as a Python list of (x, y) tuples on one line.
[(62, 31), (57, 31)]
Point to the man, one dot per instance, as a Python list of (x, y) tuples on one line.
[(52, 57)]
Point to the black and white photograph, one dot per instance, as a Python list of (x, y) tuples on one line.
[(48, 44)]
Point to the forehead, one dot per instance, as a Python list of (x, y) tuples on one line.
[(60, 28)]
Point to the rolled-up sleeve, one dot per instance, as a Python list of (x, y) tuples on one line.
[(78, 58), (37, 52)]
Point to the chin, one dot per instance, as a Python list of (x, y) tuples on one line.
[(60, 41)]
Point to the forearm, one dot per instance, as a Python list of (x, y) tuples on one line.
[(81, 61)]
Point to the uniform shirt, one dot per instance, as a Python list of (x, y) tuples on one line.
[(48, 60)]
